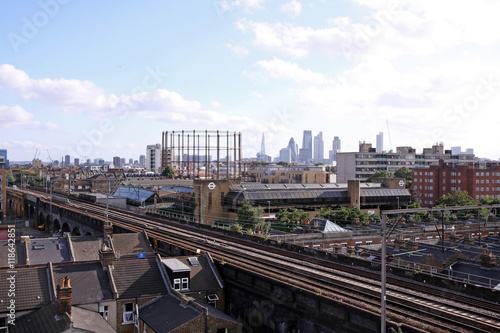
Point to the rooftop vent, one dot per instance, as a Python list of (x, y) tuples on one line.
[(38, 247)]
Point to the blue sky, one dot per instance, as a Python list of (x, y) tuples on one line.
[(102, 79)]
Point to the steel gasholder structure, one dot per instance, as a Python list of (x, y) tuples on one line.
[(203, 154)]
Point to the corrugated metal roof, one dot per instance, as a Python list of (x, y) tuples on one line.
[(384, 192)]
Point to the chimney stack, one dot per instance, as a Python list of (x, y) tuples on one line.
[(108, 229), (64, 293), (106, 255)]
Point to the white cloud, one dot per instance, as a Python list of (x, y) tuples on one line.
[(14, 116), (278, 68), (388, 32), (215, 104), (240, 51), (292, 8), (246, 4), (85, 97)]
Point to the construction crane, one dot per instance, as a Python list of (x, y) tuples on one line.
[(48, 154)]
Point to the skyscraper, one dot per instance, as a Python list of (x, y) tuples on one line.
[(305, 153), (380, 142), (335, 148), (263, 146), (319, 148), (142, 160), (76, 162), (293, 151), (66, 160), (116, 161)]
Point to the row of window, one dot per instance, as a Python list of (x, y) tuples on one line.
[(425, 180), (482, 196), (488, 181), (487, 174), (487, 189), (425, 187), (426, 173)]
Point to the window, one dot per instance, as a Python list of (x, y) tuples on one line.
[(487, 174), (431, 180), (431, 173), (104, 311), (128, 313), (487, 181), (177, 284), (185, 283), (477, 181)]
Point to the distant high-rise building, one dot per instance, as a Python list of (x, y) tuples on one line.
[(88, 161), (131, 161), (380, 142), (142, 160), (67, 160), (153, 157), (294, 151), (336, 147), (469, 151), (305, 153), (122, 161), (263, 146), (285, 155), (456, 150), (116, 161), (319, 148), (76, 162)]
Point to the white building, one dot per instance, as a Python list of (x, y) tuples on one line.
[(153, 158)]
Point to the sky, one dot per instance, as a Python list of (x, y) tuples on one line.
[(101, 79)]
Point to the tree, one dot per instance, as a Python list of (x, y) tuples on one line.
[(489, 200), (168, 172), (249, 216), (381, 174), (288, 219), (406, 174), (456, 198), (342, 216)]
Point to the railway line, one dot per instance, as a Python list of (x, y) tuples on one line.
[(419, 306)]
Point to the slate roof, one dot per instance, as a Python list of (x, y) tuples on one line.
[(166, 314), (201, 278), (32, 288), (41, 321), (130, 244), (89, 282), (44, 321), (138, 278), (85, 248), (89, 321), (44, 250)]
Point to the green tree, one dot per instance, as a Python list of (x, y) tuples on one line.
[(289, 219), (380, 174), (406, 174), (342, 216), (489, 200), (456, 198), (249, 216), (168, 172)]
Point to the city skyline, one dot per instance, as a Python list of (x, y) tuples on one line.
[(86, 83)]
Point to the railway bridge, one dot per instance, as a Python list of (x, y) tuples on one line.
[(270, 290)]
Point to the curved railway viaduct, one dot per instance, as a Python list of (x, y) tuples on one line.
[(265, 300)]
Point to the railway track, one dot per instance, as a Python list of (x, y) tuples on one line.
[(418, 306)]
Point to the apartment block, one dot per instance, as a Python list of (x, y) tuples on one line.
[(364, 163), (478, 180)]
